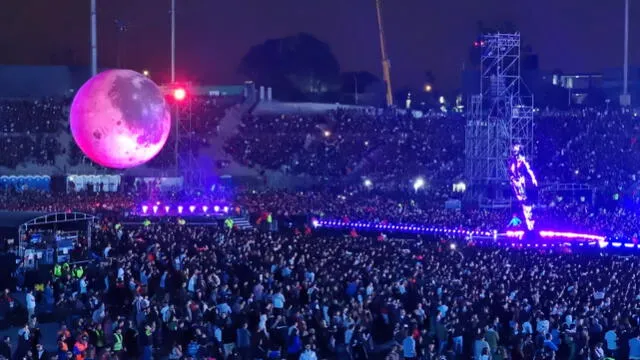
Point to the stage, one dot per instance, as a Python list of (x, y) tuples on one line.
[(535, 239)]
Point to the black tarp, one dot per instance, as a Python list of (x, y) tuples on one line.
[(13, 219)]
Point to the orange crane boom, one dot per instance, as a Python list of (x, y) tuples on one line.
[(386, 64)]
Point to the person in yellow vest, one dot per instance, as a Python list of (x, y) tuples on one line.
[(57, 271), (117, 341), (65, 269), (78, 272), (99, 336)]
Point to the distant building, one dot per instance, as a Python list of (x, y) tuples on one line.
[(578, 85)]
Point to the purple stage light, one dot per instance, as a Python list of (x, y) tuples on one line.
[(216, 208), (180, 208), (570, 235), (516, 235), (155, 209), (167, 208), (205, 208), (192, 208), (145, 208), (226, 209)]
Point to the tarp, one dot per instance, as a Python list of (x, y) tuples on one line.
[(13, 219)]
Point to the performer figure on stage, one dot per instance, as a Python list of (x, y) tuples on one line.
[(521, 175)]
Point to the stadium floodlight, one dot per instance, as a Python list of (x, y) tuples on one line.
[(179, 94)]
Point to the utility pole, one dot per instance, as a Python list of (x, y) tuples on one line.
[(625, 98), (173, 41), (355, 84), (386, 64), (94, 39)]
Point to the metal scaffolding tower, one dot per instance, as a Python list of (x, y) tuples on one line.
[(500, 115)]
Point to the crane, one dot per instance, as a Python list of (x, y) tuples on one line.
[(386, 64)]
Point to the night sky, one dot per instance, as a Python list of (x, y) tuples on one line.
[(213, 35)]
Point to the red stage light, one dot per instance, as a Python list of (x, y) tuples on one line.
[(179, 94)]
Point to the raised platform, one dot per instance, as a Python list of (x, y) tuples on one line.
[(522, 239), (182, 209)]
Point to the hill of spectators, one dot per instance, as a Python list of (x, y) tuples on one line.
[(385, 145), (30, 131)]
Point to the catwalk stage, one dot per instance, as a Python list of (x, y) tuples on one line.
[(519, 239)]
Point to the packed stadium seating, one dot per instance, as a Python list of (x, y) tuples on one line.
[(301, 293)]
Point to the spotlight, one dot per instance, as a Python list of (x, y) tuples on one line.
[(205, 208), (145, 208), (216, 208), (192, 208), (180, 209), (166, 208), (155, 209), (179, 94), (226, 209)]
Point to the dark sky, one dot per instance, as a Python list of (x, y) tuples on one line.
[(574, 35)]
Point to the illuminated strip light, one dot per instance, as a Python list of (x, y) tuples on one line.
[(144, 209), (397, 227), (570, 235), (594, 239), (515, 234)]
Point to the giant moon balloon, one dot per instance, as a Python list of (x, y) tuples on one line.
[(119, 119)]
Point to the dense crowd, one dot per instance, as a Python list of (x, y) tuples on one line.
[(188, 291), (197, 292), (588, 146), (30, 131), (381, 144)]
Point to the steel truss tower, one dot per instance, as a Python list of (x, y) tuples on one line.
[(186, 144), (500, 115)]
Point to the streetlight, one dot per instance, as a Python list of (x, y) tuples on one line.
[(94, 39), (625, 99), (173, 41)]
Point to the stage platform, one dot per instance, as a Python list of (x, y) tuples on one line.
[(518, 238)]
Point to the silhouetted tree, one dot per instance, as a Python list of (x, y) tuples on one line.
[(299, 67)]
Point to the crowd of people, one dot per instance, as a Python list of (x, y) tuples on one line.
[(31, 131), (196, 292), (188, 291), (383, 145)]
